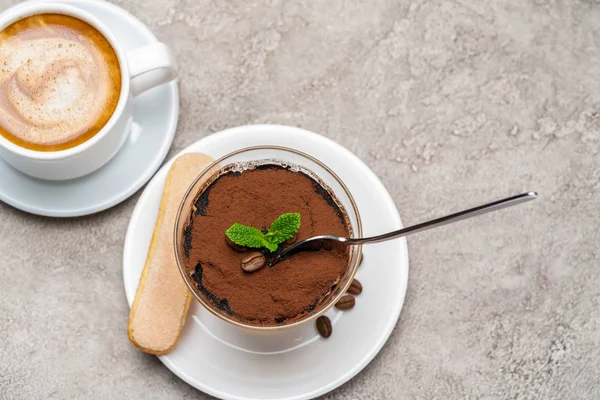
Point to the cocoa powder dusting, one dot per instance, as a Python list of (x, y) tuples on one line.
[(269, 296)]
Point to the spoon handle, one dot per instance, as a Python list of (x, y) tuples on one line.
[(459, 216)]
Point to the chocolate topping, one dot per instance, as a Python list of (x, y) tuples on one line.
[(256, 197)]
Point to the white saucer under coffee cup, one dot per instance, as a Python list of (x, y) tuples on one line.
[(141, 69)]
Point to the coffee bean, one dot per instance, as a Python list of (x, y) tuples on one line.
[(324, 326), (290, 241), (253, 262), (234, 245), (346, 302), (362, 256), (355, 287)]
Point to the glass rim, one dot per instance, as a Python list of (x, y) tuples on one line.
[(353, 264)]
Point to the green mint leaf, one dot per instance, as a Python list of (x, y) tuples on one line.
[(271, 246), (284, 228), (246, 236)]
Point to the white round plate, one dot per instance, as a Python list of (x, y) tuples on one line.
[(229, 363), (136, 162)]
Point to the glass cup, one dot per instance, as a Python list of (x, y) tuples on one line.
[(286, 156)]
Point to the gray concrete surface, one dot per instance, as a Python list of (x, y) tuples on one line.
[(451, 103)]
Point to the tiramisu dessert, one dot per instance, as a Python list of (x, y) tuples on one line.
[(242, 216)]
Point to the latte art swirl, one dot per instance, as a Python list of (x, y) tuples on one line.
[(57, 85), (53, 89)]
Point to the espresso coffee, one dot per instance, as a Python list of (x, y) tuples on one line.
[(60, 82)]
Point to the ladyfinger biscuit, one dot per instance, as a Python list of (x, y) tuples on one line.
[(162, 298)]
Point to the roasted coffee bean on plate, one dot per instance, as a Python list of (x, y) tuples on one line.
[(346, 302), (253, 261), (355, 287), (234, 245), (324, 326)]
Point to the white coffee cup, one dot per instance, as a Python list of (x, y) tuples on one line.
[(141, 69)]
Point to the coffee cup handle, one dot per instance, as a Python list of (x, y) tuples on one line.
[(150, 66)]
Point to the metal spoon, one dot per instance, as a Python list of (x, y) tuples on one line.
[(328, 241)]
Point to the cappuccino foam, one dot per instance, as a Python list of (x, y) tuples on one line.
[(60, 82)]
